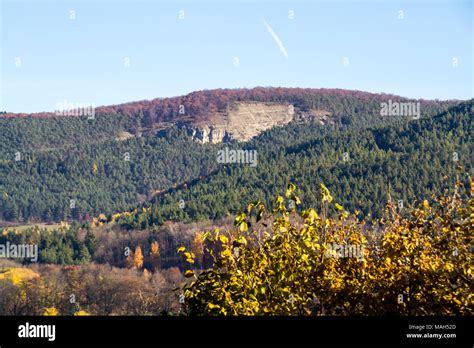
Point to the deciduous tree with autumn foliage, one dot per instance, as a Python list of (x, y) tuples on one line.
[(138, 258), (293, 262)]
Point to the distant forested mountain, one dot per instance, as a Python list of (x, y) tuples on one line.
[(56, 168)]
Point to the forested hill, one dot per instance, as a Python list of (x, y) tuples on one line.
[(360, 167), (63, 168)]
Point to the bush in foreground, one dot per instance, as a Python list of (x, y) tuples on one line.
[(411, 262)]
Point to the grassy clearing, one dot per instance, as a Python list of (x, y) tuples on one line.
[(24, 227)]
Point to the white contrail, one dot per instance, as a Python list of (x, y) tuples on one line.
[(276, 38)]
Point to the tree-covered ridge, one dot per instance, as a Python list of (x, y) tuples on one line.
[(63, 168), (31, 136), (200, 104), (406, 160)]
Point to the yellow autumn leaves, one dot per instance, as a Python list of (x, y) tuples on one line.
[(289, 263), (18, 275), (52, 311), (102, 219)]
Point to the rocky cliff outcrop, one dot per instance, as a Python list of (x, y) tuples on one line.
[(241, 122), (209, 134)]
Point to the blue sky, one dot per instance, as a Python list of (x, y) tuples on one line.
[(48, 57)]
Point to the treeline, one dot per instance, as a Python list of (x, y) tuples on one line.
[(63, 246), (361, 106), (152, 249), (200, 104)]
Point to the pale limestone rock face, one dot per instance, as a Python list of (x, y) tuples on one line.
[(241, 122), (201, 134), (213, 135)]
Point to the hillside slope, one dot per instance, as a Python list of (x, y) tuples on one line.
[(58, 168), (406, 160)]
